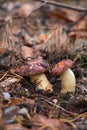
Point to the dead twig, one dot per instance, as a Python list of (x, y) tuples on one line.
[(78, 9), (79, 116), (59, 107), (76, 22), (25, 17), (3, 76)]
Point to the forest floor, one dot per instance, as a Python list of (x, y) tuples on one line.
[(25, 26)]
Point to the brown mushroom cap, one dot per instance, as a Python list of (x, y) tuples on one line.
[(62, 66), (35, 66)]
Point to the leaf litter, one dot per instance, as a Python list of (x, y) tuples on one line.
[(29, 32)]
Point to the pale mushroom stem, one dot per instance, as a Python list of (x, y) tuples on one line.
[(42, 82), (68, 81)]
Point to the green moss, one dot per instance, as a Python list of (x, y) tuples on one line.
[(73, 57), (22, 92), (83, 60), (63, 104), (83, 103)]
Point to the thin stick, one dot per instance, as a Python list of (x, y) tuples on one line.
[(78, 9), (3, 75), (75, 114), (79, 116), (76, 22)]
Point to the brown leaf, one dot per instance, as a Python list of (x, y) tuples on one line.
[(62, 15), (27, 52), (15, 101), (15, 29), (24, 10), (26, 40), (15, 127), (2, 50), (8, 82), (43, 38), (3, 47), (44, 123)]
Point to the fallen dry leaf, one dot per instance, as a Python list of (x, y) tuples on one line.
[(3, 47), (31, 25), (9, 81), (43, 38), (15, 127), (27, 52), (26, 40), (2, 50), (24, 10), (44, 123), (15, 101)]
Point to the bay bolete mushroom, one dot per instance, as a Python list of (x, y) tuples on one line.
[(67, 76), (36, 69)]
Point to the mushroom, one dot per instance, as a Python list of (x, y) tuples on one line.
[(67, 76), (35, 69)]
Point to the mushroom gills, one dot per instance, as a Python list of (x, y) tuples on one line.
[(68, 81), (42, 82)]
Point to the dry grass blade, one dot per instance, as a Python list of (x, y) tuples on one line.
[(80, 116)]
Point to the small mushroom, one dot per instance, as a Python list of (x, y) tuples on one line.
[(35, 69), (67, 77), (42, 82)]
